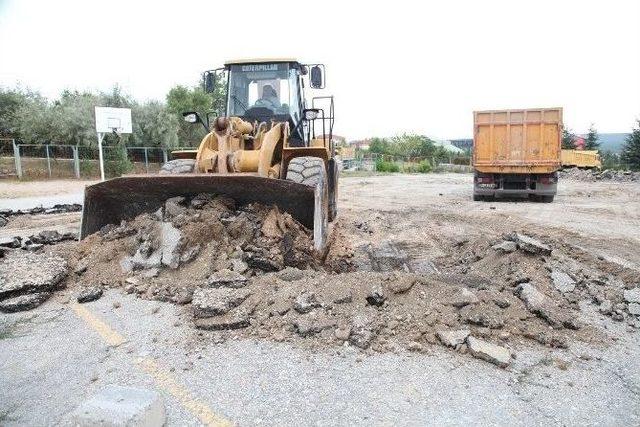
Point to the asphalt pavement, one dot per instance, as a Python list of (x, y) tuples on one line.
[(56, 356)]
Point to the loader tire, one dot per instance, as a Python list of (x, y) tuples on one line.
[(311, 171), (178, 166), (333, 189)]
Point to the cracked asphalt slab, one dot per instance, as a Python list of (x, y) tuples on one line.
[(51, 360)]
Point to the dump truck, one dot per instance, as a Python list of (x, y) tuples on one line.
[(516, 153), (267, 146), (585, 159)]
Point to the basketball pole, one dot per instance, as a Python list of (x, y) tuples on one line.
[(100, 137)]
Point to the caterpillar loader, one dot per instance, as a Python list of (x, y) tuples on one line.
[(267, 147)]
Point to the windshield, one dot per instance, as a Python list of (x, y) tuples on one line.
[(262, 89)]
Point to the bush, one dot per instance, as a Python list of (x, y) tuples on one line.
[(382, 166), (116, 162), (424, 167)]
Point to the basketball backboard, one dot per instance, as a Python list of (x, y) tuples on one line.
[(109, 119)]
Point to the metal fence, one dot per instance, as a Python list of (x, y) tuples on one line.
[(32, 161), (373, 162)]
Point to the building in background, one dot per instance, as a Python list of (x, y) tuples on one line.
[(579, 142), (465, 144), (448, 146)]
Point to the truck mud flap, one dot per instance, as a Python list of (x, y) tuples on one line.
[(124, 198)]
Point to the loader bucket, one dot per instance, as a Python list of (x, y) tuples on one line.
[(124, 198)]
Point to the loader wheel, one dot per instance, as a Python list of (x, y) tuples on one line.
[(333, 189), (311, 171), (178, 166)]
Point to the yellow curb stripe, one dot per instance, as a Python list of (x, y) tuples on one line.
[(169, 384), (109, 335), (162, 378)]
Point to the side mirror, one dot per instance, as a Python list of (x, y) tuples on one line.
[(317, 77), (209, 82), (193, 117)]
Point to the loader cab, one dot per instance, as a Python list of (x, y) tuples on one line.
[(266, 90)]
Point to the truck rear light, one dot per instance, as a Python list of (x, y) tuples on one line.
[(482, 178), (485, 180), (548, 179)]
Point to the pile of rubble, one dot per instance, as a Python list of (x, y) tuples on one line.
[(56, 209), (27, 279), (163, 255), (510, 291), (598, 175), (36, 242)]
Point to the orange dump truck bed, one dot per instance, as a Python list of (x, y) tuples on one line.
[(517, 141), (581, 159)]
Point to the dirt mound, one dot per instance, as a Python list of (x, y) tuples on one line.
[(597, 175), (490, 296), (164, 255)]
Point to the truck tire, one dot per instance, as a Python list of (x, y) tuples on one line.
[(477, 198), (311, 171), (546, 199), (333, 189), (178, 166)]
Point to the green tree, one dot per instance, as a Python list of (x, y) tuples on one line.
[(631, 149), (591, 141), (11, 100), (36, 122), (116, 98), (568, 139), (69, 119), (17, 104), (154, 126), (609, 160), (73, 116), (378, 146)]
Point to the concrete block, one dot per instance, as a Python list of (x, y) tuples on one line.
[(121, 406)]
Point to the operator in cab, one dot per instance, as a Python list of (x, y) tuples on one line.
[(269, 98)]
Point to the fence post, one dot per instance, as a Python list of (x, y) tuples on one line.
[(146, 159), (76, 161), (48, 159), (164, 155), (16, 156)]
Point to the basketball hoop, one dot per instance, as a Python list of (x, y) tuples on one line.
[(111, 120)]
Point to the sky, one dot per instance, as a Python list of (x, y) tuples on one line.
[(393, 67)]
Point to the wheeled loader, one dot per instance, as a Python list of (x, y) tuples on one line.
[(266, 147)]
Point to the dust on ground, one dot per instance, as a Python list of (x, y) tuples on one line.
[(412, 261)]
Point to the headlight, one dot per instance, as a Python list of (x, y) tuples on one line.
[(191, 118), (310, 114)]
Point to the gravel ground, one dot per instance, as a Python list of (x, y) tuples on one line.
[(247, 381), (27, 189)]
